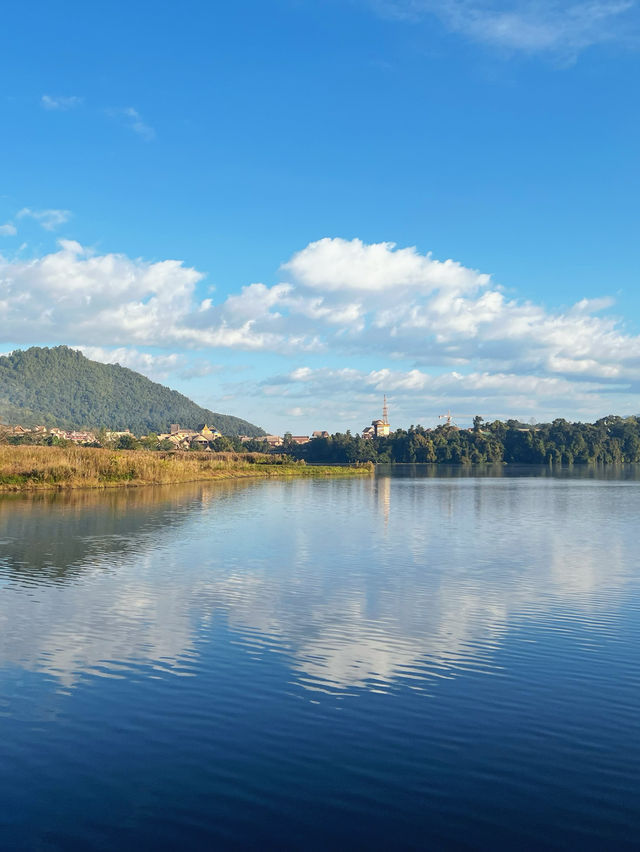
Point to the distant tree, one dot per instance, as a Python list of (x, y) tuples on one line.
[(609, 440), (127, 442), (221, 445), (288, 443), (256, 445), (150, 441)]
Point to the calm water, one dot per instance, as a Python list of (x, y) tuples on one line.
[(410, 662)]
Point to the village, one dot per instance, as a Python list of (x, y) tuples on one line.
[(178, 438)]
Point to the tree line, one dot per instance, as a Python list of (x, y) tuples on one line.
[(609, 440)]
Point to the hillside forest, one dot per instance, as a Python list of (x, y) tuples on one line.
[(58, 386)]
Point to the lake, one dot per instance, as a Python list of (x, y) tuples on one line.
[(427, 659)]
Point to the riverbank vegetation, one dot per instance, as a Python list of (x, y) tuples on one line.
[(609, 440), (36, 467)]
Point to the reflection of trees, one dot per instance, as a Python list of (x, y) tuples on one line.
[(594, 472), (84, 620), (51, 537)]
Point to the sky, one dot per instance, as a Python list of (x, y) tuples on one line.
[(287, 208)]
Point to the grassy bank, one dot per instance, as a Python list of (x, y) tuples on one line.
[(31, 468)]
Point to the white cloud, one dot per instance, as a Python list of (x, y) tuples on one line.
[(49, 219), (113, 300), (147, 363), (350, 380), (253, 301), (8, 230), (157, 366), (60, 103), (339, 265), (437, 313), (416, 396), (132, 119), (545, 26), (451, 331), (108, 299)]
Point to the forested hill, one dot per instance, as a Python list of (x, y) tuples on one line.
[(60, 387)]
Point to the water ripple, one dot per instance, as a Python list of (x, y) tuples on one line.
[(388, 663)]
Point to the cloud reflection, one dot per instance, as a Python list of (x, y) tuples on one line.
[(368, 584)]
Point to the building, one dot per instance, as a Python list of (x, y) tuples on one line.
[(272, 440), (379, 428), (204, 432), (174, 440), (114, 435), (81, 437), (208, 433), (300, 439), (319, 434), (184, 439), (200, 441), (177, 432)]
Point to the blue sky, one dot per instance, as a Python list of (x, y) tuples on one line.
[(286, 208)]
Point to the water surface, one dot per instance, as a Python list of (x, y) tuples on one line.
[(438, 659)]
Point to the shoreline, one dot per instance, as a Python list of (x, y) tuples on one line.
[(27, 468)]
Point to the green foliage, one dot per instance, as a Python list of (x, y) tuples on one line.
[(149, 442), (127, 442), (609, 440), (222, 445), (256, 445), (60, 387)]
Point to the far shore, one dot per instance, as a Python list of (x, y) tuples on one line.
[(37, 468)]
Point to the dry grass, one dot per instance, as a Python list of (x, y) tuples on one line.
[(33, 467)]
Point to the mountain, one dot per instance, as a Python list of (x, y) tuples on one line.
[(60, 387)]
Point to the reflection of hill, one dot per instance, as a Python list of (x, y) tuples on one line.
[(51, 537), (104, 601)]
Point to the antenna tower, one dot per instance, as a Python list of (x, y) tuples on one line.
[(385, 411)]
